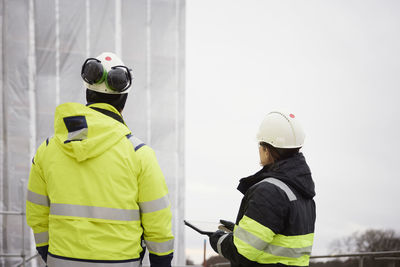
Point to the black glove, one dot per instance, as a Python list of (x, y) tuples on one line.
[(228, 225), (214, 239)]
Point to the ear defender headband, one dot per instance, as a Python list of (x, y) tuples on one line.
[(118, 79)]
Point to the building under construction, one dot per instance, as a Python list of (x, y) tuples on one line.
[(42, 47)]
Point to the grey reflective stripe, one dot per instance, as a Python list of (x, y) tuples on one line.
[(94, 212), (78, 135), (162, 247), (137, 143), (250, 239), (260, 244), (41, 237), (154, 205), (220, 240), (282, 186), (38, 199), (56, 262)]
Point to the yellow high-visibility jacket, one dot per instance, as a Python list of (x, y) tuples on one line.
[(95, 191)]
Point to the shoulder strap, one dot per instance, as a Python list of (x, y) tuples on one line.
[(110, 114), (281, 185)]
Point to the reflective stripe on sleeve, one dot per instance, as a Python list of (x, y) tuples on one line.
[(94, 212), (58, 262), (260, 244), (154, 205), (282, 186), (136, 142), (220, 240), (42, 237), (162, 247), (38, 199)]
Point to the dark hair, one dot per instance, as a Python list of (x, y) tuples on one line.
[(116, 100), (278, 154)]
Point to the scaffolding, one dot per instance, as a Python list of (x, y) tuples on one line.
[(22, 214), (42, 47)]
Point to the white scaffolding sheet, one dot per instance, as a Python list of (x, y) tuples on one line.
[(42, 47)]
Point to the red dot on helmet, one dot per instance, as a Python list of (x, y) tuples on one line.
[(108, 58), (291, 116)]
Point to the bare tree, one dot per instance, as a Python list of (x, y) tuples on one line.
[(368, 241), (189, 262), (215, 259)]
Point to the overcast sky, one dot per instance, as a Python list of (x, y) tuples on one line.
[(336, 65)]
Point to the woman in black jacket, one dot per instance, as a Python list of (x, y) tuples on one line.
[(275, 222)]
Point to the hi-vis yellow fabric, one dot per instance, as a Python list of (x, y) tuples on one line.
[(93, 193), (260, 244)]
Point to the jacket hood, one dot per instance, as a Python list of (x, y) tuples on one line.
[(293, 171), (83, 132)]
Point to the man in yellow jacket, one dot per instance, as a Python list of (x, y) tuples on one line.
[(96, 194)]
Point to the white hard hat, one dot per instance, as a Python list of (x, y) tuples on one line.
[(281, 130), (108, 61)]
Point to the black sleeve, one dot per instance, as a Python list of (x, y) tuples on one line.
[(269, 206), (161, 261), (230, 252)]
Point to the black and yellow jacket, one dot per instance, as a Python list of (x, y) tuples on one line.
[(95, 192), (275, 223)]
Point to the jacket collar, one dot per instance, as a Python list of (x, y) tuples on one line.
[(293, 171), (247, 182)]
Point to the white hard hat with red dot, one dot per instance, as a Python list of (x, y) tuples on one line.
[(106, 74), (281, 130)]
